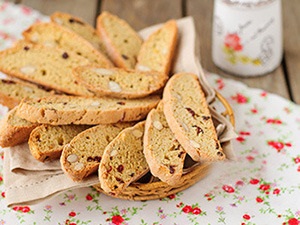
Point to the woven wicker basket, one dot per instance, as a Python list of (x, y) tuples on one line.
[(150, 187)]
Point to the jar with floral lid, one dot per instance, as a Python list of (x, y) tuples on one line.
[(247, 36)]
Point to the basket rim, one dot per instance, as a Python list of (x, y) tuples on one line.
[(159, 189)]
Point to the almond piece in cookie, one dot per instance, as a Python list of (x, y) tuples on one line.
[(164, 155), (123, 160), (120, 83), (87, 148), (185, 103)]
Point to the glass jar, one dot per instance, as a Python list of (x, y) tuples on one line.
[(247, 36)]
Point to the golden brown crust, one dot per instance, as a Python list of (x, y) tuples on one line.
[(13, 130), (188, 116), (120, 83), (53, 35), (157, 52), (122, 42), (46, 142), (79, 26), (62, 110), (37, 64), (81, 157), (121, 163), (163, 153), (13, 91)]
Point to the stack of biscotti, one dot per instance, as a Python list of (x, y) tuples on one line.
[(122, 114)]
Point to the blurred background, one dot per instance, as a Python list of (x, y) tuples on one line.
[(142, 13)]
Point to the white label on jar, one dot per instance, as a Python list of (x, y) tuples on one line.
[(247, 41)]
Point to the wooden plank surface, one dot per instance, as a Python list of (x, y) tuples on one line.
[(85, 9), (202, 11), (291, 28), (140, 13)]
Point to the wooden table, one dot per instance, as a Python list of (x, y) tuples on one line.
[(142, 13)]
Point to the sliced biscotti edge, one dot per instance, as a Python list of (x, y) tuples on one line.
[(46, 142), (189, 118), (81, 157), (120, 83), (163, 153), (14, 130), (81, 27), (123, 160), (62, 110), (122, 42), (13, 91), (35, 63), (158, 50), (51, 35)]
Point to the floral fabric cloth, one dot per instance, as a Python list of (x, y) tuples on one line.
[(261, 187)]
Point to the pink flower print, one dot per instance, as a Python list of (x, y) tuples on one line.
[(192, 210), (196, 211), (89, 197), (26, 10), (246, 133), (293, 221), (72, 214), (277, 145), (254, 110), (239, 183), (276, 191), (228, 188), (232, 41), (264, 187), (297, 159), (117, 219), (274, 121), (187, 209), (254, 181), (246, 217), (8, 21), (220, 83), (259, 200), (3, 6), (250, 158), (240, 139), (263, 94), (24, 209), (240, 98)]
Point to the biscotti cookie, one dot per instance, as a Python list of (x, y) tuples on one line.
[(46, 142), (13, 91), (80, 27), (118, 82), (122, 42), (62, 110), (50, 68), (54, 35), (81, 157), (163, 153), (14, 130), (158, 50), (189, 118), (123, 160)]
